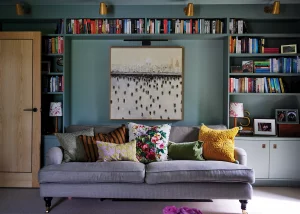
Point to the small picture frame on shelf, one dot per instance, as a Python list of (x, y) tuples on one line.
[(287, 116), (46, 67), (247, 66), (264, 127), (289, 49), (236, 69)]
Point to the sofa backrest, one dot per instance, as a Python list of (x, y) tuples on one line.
[(178, 133)]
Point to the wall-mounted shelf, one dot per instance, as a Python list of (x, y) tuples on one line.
[(266, 74), (263, 55), (264, 94)]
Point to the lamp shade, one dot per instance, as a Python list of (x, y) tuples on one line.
[(236, 110), (55, 109)]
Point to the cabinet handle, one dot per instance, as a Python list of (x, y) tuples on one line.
[(263, 146), (274, 146)]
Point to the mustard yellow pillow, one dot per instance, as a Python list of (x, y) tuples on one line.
[(218, 144)]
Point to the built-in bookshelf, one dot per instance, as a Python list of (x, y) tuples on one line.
[(257, 39), (261, 75)]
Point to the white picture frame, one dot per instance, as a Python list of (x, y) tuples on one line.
[(264, 127), (146, 83), (289, 49)]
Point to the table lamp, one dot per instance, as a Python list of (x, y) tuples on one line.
[(236, 110), (55, 111)]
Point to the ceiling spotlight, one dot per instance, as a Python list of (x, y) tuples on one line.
[(103, 8), (189, 9), (22, 8), (274, 9)]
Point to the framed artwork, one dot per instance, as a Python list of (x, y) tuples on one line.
[(146, 83), (287, 116), (45, 67), (289, 49), (247, 66), (264, 126)]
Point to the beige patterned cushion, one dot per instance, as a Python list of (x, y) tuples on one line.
[(116, 152)]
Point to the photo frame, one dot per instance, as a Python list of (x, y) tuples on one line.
[(236, 69), (46, 67), (289, 49), (264, 127), (287, 116), (146, 83)]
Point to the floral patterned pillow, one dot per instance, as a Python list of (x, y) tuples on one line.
[(151, 141)]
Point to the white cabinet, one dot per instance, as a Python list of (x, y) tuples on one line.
[(272, 158), (257, 156), (284, 159)]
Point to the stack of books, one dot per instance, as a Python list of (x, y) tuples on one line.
[(271, 50), (262, 66)]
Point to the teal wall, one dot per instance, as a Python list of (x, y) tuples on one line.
[(89, 60), (203, 81)]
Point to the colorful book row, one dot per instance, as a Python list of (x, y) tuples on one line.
[(54, 45), (184, 26), (53, 84), (105, 26), (256, 85), (246, 45)]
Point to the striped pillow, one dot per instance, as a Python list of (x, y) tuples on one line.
[(90, 147), (117, 136)]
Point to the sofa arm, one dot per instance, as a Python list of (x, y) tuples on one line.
[(240, 155), (54, 156)]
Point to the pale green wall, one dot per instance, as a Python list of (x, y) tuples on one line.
[(203, 82)]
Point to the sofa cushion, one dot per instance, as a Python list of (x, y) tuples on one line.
[(218, 144), (72, 145), (151, 141), (197, 171), (98, 172)]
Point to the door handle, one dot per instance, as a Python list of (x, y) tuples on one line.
[(31, 109)]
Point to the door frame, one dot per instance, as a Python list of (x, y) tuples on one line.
[(36, 95)]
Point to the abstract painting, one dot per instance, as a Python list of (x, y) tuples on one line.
[(146, 83)]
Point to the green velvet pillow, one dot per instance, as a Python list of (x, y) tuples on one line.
[(72, 145), (186, 151)]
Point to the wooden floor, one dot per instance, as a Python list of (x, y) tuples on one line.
[(267, 200)]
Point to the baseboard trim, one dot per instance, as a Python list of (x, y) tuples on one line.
[(276, 183)]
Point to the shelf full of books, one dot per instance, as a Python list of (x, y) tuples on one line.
[(256, 85), (185, 26), (53, 84), (53, 45), (279, 65), (105, 26)]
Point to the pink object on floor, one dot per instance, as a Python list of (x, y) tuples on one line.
[(181, 210)]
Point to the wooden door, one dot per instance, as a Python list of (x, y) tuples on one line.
[(20, 104), (284, 159), (257, 155)]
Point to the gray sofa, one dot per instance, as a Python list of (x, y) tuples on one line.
[(180, 180)]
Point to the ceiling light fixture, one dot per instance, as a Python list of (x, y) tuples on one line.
[(274, 9), (103, 8), (189, 9)]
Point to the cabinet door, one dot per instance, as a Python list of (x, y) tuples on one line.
[(257, 156), (284, 159)]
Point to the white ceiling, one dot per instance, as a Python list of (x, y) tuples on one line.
[(143, 2)]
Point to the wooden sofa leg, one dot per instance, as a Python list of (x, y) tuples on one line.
[(48, 203), (243, 206)]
